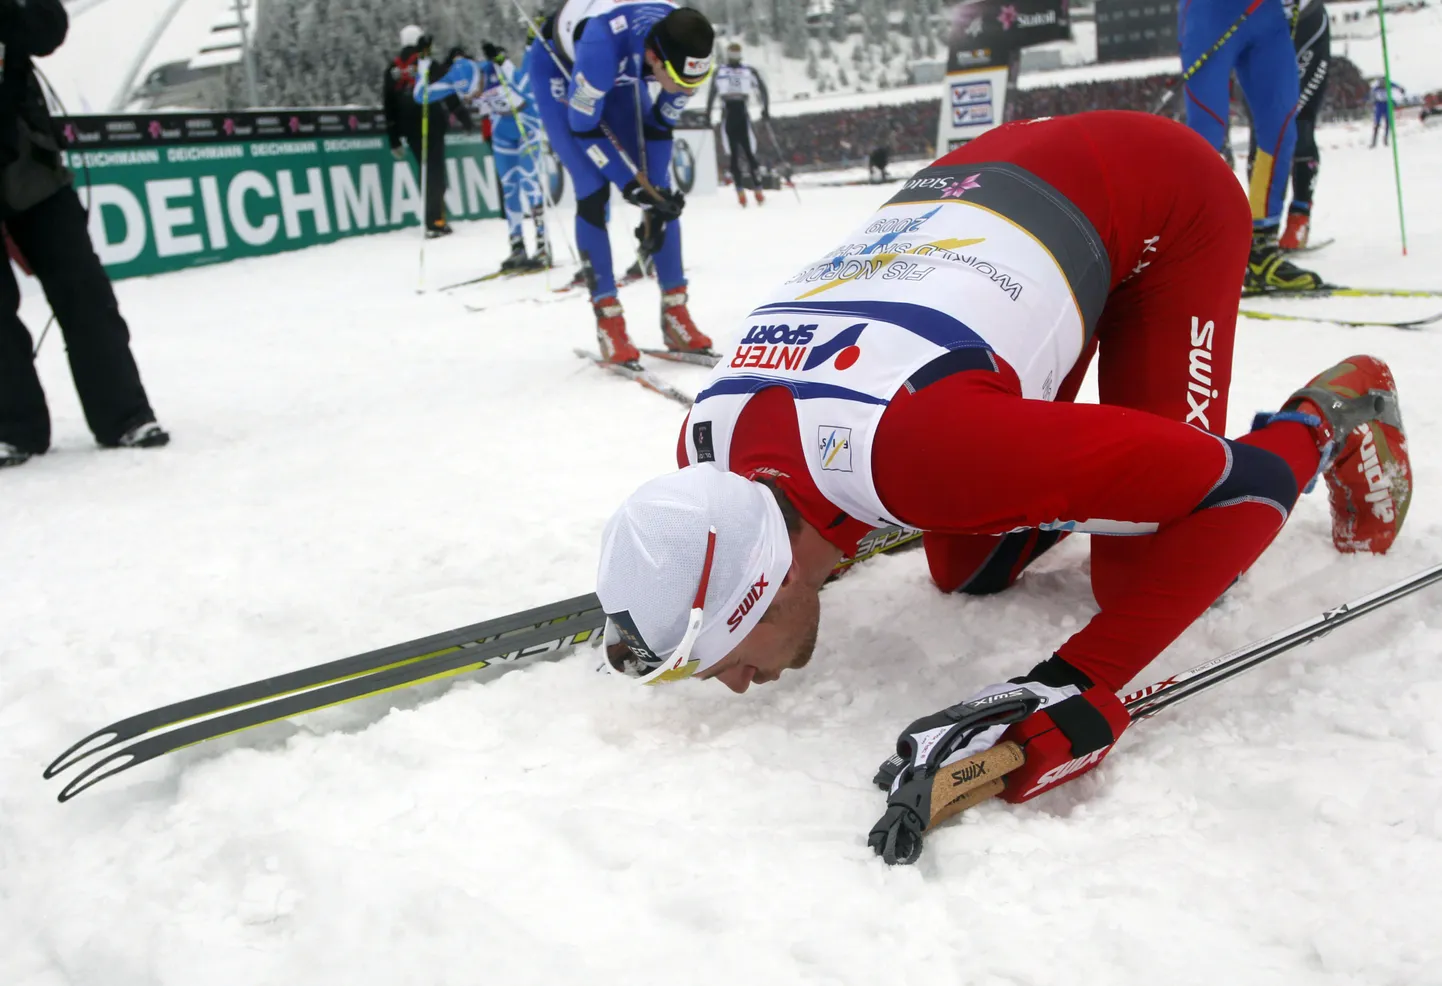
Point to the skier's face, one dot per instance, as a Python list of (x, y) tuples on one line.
[(782, 641)]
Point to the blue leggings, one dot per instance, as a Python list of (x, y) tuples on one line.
[(520, 173), (1262, 55), (592, 189)]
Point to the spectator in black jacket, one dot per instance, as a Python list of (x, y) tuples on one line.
[(403, 121), (44, 217)]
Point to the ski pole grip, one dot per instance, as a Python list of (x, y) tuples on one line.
[(967, 783)]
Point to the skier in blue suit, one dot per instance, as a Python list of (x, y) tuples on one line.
[(589, 69), (1260, 51), (516, 143)]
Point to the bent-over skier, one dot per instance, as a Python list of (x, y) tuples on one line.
[(924, 373), (591, 70)]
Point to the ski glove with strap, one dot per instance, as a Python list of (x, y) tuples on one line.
[(667, 208), (1039, 730)]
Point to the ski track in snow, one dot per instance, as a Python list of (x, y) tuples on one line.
[(354, 465)]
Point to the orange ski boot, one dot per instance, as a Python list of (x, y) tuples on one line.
[(611, 332), (1364, 451), (760, 198), (679, 331), (1298, 231)]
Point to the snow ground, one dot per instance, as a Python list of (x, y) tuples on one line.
[(354, 465)]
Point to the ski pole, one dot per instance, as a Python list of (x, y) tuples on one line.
[(781, 156), (425, 167), (43, 333), (1183, 685), (1392, 125), (643, 249), (968, 782), (1202, 59)]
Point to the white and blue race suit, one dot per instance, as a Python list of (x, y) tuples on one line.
[(516, 137), (848, 331)]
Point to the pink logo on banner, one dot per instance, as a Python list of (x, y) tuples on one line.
[(959, 188), (69, 133), (353, 123), (294, 124), (1007, 16), (155, 129), (228, 125)]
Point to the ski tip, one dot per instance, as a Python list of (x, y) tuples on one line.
[(97, 772), (79, 751)]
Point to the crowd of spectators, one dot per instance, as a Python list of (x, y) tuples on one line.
[(842, 138), (845, 137)]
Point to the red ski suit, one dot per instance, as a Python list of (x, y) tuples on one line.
[(968, 459)]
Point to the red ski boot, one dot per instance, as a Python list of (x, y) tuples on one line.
[(1298, 231), (680, 332), (760, 198), (1364, 451), (611, 332), (741, 196)]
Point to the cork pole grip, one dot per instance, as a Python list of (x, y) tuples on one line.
[(969, 782)]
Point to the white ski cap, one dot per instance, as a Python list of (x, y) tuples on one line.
[(689, 564), (410, 35)]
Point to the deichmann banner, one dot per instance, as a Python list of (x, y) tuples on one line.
[(169, 191)]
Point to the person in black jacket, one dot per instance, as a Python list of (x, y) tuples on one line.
[(403, 121), (43, 215)]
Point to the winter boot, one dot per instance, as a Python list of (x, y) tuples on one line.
[(611, 332), (147, 434), (1269, 270), (1298, 231), (517, 259), (1364, 451), (679, 331), (438, 229), (12, 456), (542, 259)]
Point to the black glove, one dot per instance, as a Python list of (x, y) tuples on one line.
[(914, 801), (667, 208), (493, 52)]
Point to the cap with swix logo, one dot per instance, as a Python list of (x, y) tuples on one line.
[(690, 563), (684, 39)]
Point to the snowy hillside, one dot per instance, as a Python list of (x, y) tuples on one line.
[(354, 465), (112, 45)]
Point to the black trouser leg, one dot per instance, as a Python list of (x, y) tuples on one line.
[(1305, 164), (24, 419), (738, 133), (54, 239), (1314, 57), (435, 172), (436, 178)]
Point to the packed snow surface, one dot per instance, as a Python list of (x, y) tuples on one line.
[(356, 465)]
